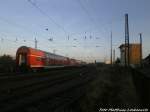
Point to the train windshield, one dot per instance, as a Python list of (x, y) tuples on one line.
[(22, 59)]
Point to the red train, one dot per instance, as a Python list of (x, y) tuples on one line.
[(35, 59)]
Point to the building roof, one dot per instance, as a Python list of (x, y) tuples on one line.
[(148, 57), (131, 44)]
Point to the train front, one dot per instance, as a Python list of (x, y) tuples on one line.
[(22, 62)]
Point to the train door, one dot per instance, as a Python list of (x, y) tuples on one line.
[(22, 59)]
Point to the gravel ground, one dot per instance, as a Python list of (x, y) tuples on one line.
[(97, 88), (113, 88)]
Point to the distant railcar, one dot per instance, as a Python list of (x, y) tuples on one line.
[(36, 59)]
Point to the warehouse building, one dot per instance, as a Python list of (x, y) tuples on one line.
[(135, 54)]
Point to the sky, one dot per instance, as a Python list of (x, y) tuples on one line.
[(78, 29)]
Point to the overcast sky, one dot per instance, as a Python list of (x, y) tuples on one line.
[(74, 28)]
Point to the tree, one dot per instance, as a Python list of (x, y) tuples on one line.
[(7, 63)]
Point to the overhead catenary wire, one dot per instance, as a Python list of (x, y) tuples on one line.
[(49, 17), (87, 12), (18, 36), (18, 26), (90, 17), (12, 23), (17, 39), (58, 25)]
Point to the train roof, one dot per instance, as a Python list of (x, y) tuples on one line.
[(29, 49)]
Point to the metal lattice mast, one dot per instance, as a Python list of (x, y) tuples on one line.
[(127, 51)]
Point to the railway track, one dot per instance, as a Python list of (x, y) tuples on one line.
[(19, 75), (51, 89), (5, 75)]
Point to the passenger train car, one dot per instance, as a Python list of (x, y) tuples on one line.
[(37, 59)]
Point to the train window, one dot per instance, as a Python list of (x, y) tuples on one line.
[(47, 55), (43, 58), (38, 59)]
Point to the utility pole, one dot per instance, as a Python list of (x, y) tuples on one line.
[(54, 51), (140, 49), (35, 43), (111, 48), (114, 56), (127, 47)]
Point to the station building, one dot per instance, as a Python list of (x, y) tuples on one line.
[(135, 54)]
